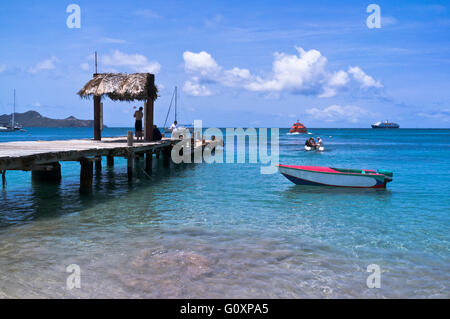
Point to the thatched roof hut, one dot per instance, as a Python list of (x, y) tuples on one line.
[(121, 87)]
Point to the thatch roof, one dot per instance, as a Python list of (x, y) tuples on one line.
[(121, 87)]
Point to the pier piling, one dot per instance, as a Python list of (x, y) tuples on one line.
[(110, 160), (86, 174), (98, 163), (50, 173), (130, 165), (148, 162)]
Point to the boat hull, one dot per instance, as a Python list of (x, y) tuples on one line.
[(324, 176), (387, 127)]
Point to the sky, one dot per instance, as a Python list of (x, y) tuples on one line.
[(236, 63)]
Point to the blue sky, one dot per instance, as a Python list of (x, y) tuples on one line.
[(236, 63)]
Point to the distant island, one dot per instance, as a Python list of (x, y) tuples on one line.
[(34, 119)]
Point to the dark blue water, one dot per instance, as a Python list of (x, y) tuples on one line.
[(226, 230)]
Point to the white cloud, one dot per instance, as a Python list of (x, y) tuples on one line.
[(302, 73), (339, 78), (201, 63), (196, 89), (135, 62), (443, 115), (365, 80), (49, 64), (216, 20), (337, 113), (84, 66), (2, 67)]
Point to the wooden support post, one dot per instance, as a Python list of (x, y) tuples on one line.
[(98, 163), (167, 152), (86, 174), (4, 177), (50, 173), (130, 138), (148, 161), (148, 115), (137, 158), (110, 160), (97, 118), (130, 165), (158, 152)]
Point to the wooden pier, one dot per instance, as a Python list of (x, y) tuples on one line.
[(42, 158)]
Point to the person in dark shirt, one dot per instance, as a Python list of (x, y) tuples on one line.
[(156, 134)]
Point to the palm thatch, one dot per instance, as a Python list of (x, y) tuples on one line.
[(121, 87)]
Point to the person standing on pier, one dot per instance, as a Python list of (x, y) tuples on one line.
[(139, 114), (174, 126)]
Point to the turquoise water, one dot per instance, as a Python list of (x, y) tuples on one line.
[(225, 230)]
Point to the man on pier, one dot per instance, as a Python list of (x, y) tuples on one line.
[(139, 114)]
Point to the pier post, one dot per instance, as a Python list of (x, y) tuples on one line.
[(130, 165), (98, 163), (48, 173), (148, 161), (130, 138), (110, 160), (97, 118), (148, 115), (4, 178), (166, 155), (86, 174)]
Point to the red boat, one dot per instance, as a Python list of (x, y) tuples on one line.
[(298, 128)]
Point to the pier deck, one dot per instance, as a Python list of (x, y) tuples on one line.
[(26, 155), (42, 157)]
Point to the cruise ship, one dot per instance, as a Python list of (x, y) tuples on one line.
[(386, 124)]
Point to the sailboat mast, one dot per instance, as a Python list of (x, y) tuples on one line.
[(176, 96), (13, 120)]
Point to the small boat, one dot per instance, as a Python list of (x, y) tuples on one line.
[(315, 148), (385, 124), (14, 126), (298, 128), (337, 177), (5, 128), (181, 127)]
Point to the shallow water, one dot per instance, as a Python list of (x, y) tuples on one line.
[(225, 230)]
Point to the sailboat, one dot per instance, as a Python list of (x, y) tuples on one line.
[(180, 127), (13, 126)]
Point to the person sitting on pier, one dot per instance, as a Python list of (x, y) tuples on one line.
[(138, 125), (156, 134)]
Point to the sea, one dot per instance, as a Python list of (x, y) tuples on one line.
[(224, 230)]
